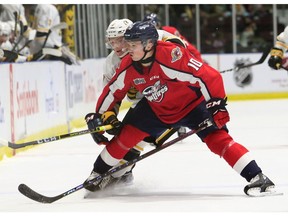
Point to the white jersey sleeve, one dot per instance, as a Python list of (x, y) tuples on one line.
[(111, 63), (162, 34), (282, 40)]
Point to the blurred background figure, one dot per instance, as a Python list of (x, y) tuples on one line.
[(45, 17), (20, 32)]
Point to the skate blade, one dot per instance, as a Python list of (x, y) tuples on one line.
[(263, 194), (257, 193)]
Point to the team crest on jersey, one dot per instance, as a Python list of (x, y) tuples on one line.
[(176, 54), (156, 92), (139, 81)]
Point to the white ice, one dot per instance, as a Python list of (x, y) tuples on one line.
[(184, 178)]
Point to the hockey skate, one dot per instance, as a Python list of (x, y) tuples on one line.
[(127, 178), (260, 185), (107, 182)]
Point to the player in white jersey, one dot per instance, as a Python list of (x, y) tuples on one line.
[(23, 33), (277, 59), (46, 16)]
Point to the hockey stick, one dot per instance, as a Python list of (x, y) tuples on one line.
[(61, 25), (28, 192), (21, 36), (54, 138), (260, 61), (283, 68)]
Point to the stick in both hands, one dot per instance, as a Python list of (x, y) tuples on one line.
[(54, 138), (28, 192), (260, 61)]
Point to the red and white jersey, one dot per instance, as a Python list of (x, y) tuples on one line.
[(174, 84)]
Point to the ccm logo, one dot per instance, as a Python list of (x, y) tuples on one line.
[(213, 103)]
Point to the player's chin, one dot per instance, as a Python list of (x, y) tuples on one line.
[(133, 57), (119, 53)]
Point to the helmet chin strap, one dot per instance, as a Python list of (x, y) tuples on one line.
[(149, 59)]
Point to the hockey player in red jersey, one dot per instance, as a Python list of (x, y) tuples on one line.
[(179, 91)]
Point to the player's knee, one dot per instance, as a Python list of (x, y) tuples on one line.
[(126, 140), (218, 142)]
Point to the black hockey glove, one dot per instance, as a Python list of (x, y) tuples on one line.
[(109, 117), (275, 60), (216, 106), (94, 120)]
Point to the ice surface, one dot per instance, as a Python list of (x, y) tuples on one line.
[(185, 178)]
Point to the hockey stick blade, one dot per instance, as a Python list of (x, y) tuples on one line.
[(53, 138), (28, 192), (260, 61)]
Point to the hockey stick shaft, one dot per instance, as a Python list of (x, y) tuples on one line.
[(54, 138), (61, 25), (28, 192), (260, 61)]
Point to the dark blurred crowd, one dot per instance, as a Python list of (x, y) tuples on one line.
[(254, 25)]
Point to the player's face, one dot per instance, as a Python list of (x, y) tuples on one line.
[(135, 50), (118, 45)]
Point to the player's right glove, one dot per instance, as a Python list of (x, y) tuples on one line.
[(109, 117), (216, 106), (275, 60), (94, 120), (133, 94)]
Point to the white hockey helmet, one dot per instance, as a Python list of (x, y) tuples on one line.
[(117, 28)]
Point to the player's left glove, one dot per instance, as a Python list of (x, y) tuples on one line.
[(109, 117), (275, 60), (216, 106), (94, 120)]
